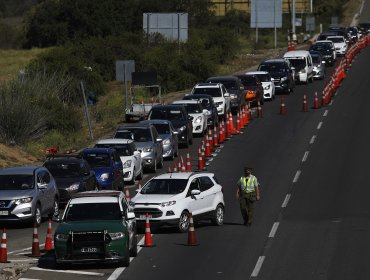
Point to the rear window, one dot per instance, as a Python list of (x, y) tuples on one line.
[(229, 84), (93, 211), (214, 92), (122, 149), (166, 114), (97, 159), (264, 77), (162, 128), (248, 81), (136, 134), (64, 170)]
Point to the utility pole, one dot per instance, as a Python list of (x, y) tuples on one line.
[(293, 16)]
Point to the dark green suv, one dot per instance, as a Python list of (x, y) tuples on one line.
[(97, 226)]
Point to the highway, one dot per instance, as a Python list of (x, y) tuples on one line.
[(313, 220)]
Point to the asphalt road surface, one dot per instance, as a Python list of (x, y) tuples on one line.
[(313, 221)]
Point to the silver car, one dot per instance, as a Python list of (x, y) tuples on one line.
[(318, 65), (168, 134), (27, 194), (147, 141)]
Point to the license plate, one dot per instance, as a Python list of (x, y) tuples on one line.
[(144, 216), (89, 250), (4, 213)]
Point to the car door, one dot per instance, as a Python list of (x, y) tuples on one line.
[(89, 179), (46, 192), (157, 144), (208, 193), (194, 203)]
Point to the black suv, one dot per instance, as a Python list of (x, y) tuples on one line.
[(72, 174), (282, 73), (234, 86), (207, 103), (179, 118), (326, 51)]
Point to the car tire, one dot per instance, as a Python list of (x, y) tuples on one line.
[(37, 217), (184, 222), (133, 250), (218, 216), (126, 260)]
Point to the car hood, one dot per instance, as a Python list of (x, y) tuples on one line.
[(152, 198), (142, 145), (265, 84), (278, 75), (14, 194), (90, 225), (218, 99), (165, 136), (178, 123), (63, 183)]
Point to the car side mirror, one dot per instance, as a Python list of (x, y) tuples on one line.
[(130, 215), (175, 132), (227, 94), (323, 62), (56, 219), (195, 192), (190, 118), (158, 140), (42, 186)]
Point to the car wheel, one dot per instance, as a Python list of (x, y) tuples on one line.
[(184, 220), (126, 261), (37, 218), (133, 250), (218, 216)]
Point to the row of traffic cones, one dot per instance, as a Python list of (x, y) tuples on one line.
[(316, 104), (35, 243), (148, 240)]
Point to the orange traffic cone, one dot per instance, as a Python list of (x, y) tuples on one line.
[(203, 149), (259, 110), (200, 160), (49, 238), (282, 106), (35, 243), (242, 117), (238, 122), (174, 167), (323, 99), (210, 139), (220, 139), (188, 164), (232, 128), (3, 249), (304, 109), (208, 148), (148, 242), (179, 165), (127, 194), (192, 239), (183, 169), (227, 128), (250, 117), (316, 102), (247, 119), (215, 137), (169, 169)]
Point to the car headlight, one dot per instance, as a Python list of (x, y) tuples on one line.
[(127, 163), (61, 236), (149, 149), (198, 119), (267, 87), (116, 235), (284, 79), (73, 187), (104, 177), (218, 103), (168, 203), (233, 96), (181, 129), (22, 200), (166, 142)]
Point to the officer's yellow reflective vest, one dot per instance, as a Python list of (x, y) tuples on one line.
[(248, 186)]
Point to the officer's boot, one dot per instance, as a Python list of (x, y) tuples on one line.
[(250, 217)]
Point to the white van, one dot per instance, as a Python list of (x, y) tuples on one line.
[(302, 63)]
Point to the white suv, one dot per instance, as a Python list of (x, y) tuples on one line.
[(169, 198), (339, 43), (220, 96)]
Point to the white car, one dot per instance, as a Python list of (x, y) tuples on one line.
[(267, 83), (169, 198), (220, 96), (339, 43), (130, 157), (196, 111)]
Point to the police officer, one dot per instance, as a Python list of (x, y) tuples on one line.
[(247, 192)]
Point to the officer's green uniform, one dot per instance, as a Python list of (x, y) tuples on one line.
[(247, 196)]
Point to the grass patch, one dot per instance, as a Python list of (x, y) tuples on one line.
[(11, 61)]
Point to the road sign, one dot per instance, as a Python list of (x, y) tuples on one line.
[(124, 68), (266, 14)]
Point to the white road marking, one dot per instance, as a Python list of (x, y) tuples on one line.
[(69, 271), (28, 279), (296, 177), (305, 156), (319, 125), (118, 271), (24, 260), (258, 266), (313, 139), (23, 251), (326, 113), (274, 229), (286, 200)]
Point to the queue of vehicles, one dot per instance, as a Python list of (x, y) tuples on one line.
[(98, 223)]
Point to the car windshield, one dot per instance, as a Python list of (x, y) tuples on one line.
[(336, 39), (16, 182), (166, 114), (93, 211), (214, 92), (248, 81), (64, 170), (97, 159), (136, 134), (324, 47), (264, 77), (298, 63), (123, 150), (229, 84), (164, 186), (162, 128), (316, 59), (272, 67), (192, 108)]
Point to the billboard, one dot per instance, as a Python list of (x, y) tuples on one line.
[(173, 26), (266, 14)]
